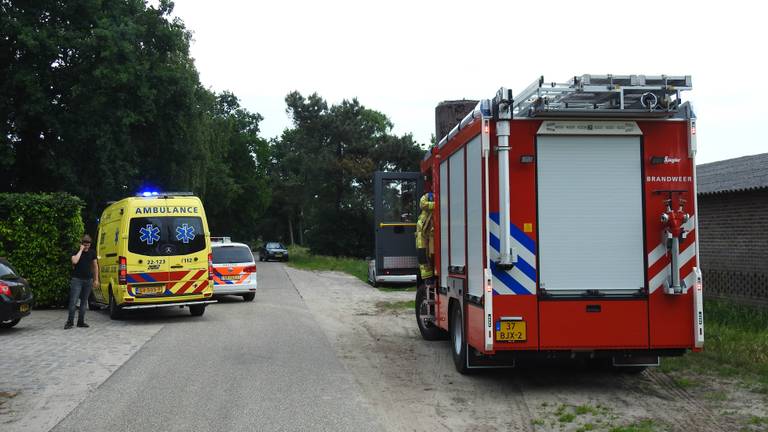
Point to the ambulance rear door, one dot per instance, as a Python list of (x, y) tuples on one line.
[(188, 264)]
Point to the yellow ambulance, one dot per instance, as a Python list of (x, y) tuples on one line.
[(154, 250)]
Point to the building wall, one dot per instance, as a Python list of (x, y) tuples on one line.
[(733, 245)]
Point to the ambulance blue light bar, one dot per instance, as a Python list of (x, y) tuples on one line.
[(148, 194)]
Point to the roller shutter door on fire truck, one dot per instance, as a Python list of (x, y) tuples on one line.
[(590, 214)]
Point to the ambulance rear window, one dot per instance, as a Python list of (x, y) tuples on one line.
[(167, 235), (231, 255)]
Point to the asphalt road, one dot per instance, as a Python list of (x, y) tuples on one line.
[(265, 365)]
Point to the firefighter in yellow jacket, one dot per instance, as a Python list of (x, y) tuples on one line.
[(424, 234)]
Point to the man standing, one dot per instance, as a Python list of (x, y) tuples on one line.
[(85, 274)]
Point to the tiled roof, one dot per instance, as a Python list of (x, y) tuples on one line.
[(732, 175)]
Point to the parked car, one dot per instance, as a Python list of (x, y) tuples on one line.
[(234, 269), (15, 296), (273, 250)]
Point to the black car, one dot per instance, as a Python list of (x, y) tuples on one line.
[(15, 296), (273, 250)]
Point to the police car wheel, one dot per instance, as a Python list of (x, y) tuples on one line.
[(249, 297), (197, 310)]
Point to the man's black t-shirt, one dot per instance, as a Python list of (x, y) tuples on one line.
[(84, 268)]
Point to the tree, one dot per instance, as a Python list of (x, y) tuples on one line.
[(322, 169), (100, 98)]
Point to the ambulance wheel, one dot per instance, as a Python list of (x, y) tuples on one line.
[(197, 310), (249, 297), (429, 331), (458, 340), (115, 312)]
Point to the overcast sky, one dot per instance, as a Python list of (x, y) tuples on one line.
[(403, 57)]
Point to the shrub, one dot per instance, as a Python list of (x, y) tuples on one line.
[(38, 233)]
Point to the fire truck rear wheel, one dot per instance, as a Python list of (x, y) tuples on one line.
[(429, 331), (458, 340)]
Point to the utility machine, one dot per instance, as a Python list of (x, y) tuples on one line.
[(395, 209)]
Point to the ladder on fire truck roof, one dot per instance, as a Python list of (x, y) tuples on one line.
[(617, 96), (604, 96)]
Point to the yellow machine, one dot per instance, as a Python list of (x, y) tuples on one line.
[(154, 251)]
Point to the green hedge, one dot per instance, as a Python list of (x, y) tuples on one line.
[(38, 233)]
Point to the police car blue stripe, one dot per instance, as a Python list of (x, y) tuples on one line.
[(508, 280)]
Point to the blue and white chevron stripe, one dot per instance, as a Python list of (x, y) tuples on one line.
[(521, 280)]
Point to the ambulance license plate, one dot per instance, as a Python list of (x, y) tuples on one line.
[(231, 278), (151, 290), (511, 331), (24, 308)]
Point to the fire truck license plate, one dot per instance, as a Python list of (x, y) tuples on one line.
[(151, 290), (511, 331)]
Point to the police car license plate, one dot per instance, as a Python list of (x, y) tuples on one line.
[(231, 278), (511, 331), (151, 290), (24, 308)]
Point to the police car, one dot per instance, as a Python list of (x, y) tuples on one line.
[(234, 269)]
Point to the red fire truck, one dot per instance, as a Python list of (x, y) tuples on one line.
[(565, 225)]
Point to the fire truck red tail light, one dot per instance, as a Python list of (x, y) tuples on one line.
[(122, 271)]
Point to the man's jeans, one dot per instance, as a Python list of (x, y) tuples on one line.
[(79, 288)]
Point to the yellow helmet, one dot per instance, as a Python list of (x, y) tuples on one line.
[(427, 201)]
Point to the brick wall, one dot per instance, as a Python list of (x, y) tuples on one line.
[(733, 245)]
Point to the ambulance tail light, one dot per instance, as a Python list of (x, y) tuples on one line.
[(122, 271), (250, 269), (210, 267)]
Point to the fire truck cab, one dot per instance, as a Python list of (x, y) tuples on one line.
[(565, 225)]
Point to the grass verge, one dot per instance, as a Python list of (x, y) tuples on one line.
[(302, 259), (736, 343)]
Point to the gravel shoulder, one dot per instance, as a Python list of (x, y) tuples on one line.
[(412, 385)]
